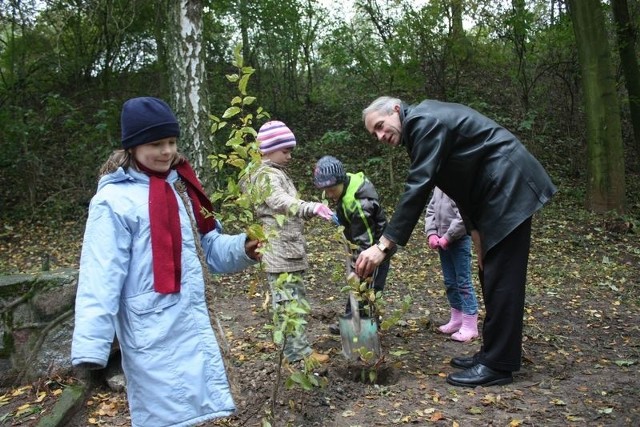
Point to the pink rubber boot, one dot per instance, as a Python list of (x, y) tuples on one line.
[(469, 329), (454, 323)]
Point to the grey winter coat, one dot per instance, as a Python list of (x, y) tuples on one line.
[(442, 218), (496, 183), (172, 362)]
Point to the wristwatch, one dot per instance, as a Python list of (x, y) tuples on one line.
[(382, 247)]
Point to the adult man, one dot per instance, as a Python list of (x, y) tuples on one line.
[(497, 185)]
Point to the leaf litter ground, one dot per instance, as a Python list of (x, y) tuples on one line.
[(581, 358)]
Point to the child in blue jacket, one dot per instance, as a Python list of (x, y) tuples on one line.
[(142, 281)]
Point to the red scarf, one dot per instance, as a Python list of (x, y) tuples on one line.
[(166, 237)]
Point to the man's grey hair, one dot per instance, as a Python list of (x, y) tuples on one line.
[(384, 104)]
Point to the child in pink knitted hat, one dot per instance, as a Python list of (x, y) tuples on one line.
[(286, 252)]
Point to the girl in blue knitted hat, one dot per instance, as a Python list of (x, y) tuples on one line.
[(142, 279)]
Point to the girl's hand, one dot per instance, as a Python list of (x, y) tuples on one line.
[(443, 243), (323, 211), (251, 248)]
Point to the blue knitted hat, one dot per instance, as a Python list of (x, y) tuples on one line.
[(145, 120), (328, 172)]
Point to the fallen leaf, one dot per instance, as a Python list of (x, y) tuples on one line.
[(25, 409), (4, 399), (20, 391), (488, 399), (437, 416), (625, 362)]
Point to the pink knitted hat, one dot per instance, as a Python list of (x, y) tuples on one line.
[(274, 136)]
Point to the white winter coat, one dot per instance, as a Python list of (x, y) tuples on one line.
[(172, 362)]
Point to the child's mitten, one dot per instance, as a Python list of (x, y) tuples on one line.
[(323, 211), (443, 243)]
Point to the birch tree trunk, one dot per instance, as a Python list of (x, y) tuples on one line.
[(187, 77), (605, 160)]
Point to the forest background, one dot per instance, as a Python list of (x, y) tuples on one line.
[(67, 66)]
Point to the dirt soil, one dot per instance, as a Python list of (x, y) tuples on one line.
[(581, 358)]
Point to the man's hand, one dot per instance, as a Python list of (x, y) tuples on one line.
[(369, 259), (433, 241)]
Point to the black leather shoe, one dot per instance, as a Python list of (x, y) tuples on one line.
[(479, 375), (464, 362), (334, 329)]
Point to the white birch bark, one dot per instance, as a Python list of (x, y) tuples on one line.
[(188, 77)]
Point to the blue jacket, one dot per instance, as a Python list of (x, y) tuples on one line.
[(172, 362)]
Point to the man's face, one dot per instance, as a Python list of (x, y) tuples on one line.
[(385, 127)]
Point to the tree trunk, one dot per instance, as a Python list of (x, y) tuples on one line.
[(457, 29), (460, 47), (245, 22), (187, 79), (519, 27), (627, 48), (605, 161)]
